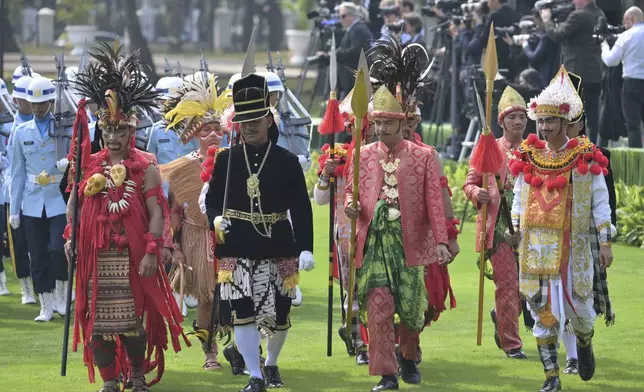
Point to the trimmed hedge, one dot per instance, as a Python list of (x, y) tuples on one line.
[(628, 165)]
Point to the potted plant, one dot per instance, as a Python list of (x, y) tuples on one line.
[(77, 15), (297, 40)]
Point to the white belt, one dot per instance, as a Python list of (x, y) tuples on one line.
[(43, 179)]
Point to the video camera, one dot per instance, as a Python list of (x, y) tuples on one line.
[(605, 32), (528, 31), (324, 16), (560, 9), (447, 6)]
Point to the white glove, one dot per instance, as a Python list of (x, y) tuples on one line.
[(304, 162), (307, 263), (62, 164), (14, 221)]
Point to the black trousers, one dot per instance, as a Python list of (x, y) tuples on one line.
[(633, 109), (592, 95), (47, 250), (20, 249), (244, 311)]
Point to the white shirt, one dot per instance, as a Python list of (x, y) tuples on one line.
[(629, 49)]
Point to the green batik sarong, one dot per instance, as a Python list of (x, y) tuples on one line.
[(383, 265), (500, 228)]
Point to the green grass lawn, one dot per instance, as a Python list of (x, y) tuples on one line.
[(30, 353)]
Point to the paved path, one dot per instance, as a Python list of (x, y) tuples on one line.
[(221, 65)]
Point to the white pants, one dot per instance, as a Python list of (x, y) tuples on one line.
[(582, 318)]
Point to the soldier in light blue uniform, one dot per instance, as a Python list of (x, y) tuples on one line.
[(16, 238), (166, 145), (6, 120), (35, 181)]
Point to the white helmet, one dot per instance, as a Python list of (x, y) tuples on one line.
[(169, 86), (273, 81), (17, 73), (71, 73), (3, 88), (41, 90), (20, 87), (232, 81)]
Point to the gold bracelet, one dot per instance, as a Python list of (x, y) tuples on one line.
[(606, 244)]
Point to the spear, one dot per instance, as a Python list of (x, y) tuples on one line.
[(486, 159), (168, 67), (359, 105), (331, 124)]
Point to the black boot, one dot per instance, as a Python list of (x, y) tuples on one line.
[(551, 384), (497, 338), (516, 353), (388, 383), (409, 371), (272, 377), (237, 363), (362, 357), (255, 385), (586, 360)]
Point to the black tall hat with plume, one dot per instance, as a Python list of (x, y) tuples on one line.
[(403, 70), (118, 85)]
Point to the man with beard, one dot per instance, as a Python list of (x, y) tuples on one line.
[(122, 211), (401, 224), (193, 245), (513, 121), (559, 194), (259, 249)]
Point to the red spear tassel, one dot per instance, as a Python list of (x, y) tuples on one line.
[(332, 122), (487, 156), (80, 124)]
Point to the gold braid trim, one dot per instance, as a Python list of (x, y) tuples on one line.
[(224, 276), (548, 340), (291, 281), (548, 160)]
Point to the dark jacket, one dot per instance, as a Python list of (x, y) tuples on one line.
[(355, 40), (282, 188), (544, 57), (503, 17), (581, 53), (472, 45)]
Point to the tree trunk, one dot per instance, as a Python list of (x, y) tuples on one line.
[(275, 20), (177, 12), (249, 12), (208, 19), (136, 37), (9, 43)]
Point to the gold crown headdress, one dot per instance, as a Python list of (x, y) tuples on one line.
[(559, 99), (511, 101)]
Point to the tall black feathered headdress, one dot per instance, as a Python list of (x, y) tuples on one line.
[(118, 85), (403, 70)]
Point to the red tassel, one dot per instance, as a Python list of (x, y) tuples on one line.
[(332, 122), (212, 150), (598, 156), (209, 161), (572, 143), (528, 178), (605, 171), (588, 156), (540, 144), (537, 182), (596, 170), (205, 176), (550, 184), (561, 182), (582, 168), (487, 156)]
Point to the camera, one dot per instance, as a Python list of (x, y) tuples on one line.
[(528, 33), (560, 9), (446, 6), (396, 28), (605, 32)]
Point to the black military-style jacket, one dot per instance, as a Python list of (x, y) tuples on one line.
[(282, 188)]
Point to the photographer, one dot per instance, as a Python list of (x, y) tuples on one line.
[(629, 50), (545, 56), (391, 17), (356, 38), (581, 53), (413, 27), (501, 15)]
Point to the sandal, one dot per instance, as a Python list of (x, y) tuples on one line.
[(109, 388)]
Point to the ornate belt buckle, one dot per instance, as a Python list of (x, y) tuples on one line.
[(255, 218), (274, 217), (43, 178)]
